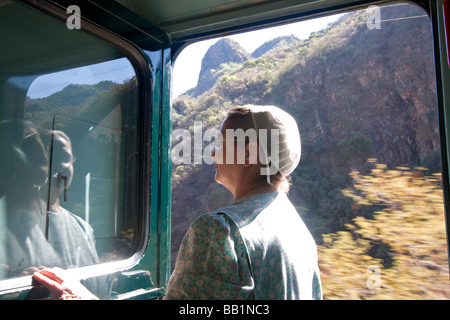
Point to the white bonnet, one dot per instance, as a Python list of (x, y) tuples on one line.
[(288, 143)]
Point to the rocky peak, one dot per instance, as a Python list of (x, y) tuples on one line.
[(223, 51), (283, 41)]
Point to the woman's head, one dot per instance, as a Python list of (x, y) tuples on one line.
[(23, 159), (277, 138)]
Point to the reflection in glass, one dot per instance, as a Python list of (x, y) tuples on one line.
[(40, 234), (66, 170)]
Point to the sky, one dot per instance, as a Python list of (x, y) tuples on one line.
[(186, 68), (188, 64)]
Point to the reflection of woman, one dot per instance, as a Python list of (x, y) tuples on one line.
[(258, 247), (37, 235), (68, 234)]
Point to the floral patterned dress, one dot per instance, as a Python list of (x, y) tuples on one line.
[(256, 248)]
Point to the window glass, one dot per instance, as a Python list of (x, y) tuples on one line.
[(368, 186), (69, 147)]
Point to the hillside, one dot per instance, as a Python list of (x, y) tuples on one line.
[(355, 92), (77, 101), (282, 41)]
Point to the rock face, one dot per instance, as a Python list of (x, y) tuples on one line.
[(223, 51), (227, 50), (375, 84), (283, 41)]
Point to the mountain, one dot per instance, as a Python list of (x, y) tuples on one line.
[(282, 41), (223, 51), (74, 101), (229, 51)]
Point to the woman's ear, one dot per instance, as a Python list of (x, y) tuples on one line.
[(251, 153)]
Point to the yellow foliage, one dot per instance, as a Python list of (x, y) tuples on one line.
[(409, 221)]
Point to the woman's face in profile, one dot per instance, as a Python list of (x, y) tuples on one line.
[(63, 158), (227, 168)]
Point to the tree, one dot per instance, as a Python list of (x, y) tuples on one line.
[(398, 253)]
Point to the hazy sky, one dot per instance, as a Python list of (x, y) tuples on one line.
[(187, 65)]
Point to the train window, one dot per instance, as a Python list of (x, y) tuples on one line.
[(69, 146), (368, 185)]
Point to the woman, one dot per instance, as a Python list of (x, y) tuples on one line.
[(258, 247)]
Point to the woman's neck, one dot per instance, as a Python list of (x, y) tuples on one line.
[(255, 187)]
